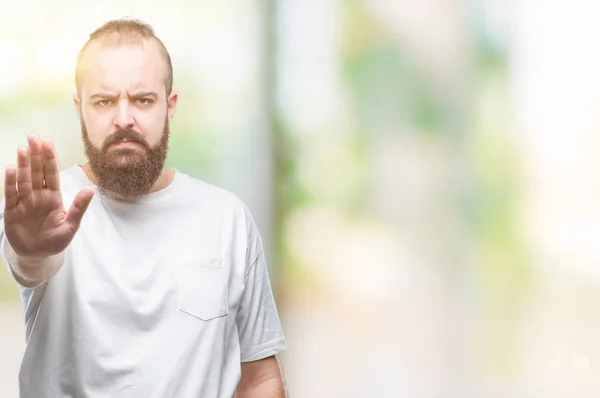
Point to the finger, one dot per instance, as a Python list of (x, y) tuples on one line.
[(51, 170), (78, 208), (35, 159), (10, 188), (23, 174)]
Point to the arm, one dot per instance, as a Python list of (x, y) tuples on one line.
[(261, 379), (260, 330)]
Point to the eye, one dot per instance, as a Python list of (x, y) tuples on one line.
[(144, 101), (104, 102)]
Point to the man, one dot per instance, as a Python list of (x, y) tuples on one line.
[(136, 280)]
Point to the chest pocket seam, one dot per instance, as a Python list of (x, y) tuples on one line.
[(202, 290)]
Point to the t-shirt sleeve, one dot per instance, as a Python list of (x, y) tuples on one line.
[(259, 325)]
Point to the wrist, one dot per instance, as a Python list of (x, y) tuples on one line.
[(25, 258), (32, 268)]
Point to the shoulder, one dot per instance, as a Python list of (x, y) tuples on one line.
[(229, 208), (202, 192), (219, 199), (73, 178)]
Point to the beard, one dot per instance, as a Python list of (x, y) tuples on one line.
[(127, 173)]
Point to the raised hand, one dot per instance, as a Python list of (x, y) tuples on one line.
[(36, 223)]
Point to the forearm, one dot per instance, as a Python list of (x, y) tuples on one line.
[(269, 388), (32, 271)]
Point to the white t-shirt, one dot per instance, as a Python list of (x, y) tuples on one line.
[(158, 299)]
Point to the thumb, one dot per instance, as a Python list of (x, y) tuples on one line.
[(78, 207)]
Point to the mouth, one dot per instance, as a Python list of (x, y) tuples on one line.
[(125, 144)]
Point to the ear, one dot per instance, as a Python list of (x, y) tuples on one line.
[(77, 104), (172, 105)]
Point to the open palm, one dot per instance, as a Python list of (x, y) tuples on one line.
[(36, 222)]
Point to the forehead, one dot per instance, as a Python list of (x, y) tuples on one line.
[(123, 68)]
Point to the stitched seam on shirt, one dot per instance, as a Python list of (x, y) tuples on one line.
[(273, 343), (253, 263)]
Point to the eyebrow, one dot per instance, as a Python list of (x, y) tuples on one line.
[(134, 95), (102, 96), (144, 94)]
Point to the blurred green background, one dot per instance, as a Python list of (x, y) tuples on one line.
[(424, 176)]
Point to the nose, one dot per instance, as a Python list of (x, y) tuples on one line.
[(124, 117)]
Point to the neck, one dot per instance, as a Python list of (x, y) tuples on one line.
[(163, 181)]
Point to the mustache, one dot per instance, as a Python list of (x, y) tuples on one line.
[(125, 134)]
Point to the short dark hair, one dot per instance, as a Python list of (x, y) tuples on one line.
[(124, 31)]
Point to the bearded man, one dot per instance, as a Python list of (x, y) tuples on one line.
[(136, 280)]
